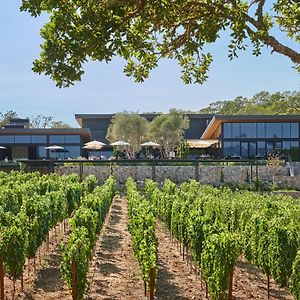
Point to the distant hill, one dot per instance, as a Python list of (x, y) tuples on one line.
[(261, 103)]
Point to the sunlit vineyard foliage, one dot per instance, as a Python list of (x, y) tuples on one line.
[(219, 225)]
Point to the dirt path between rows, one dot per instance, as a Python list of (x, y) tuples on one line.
[(115, 272)]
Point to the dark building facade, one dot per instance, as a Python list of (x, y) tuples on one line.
[(98, 124), (254, 136), (218, 136), (18, 141), (239, 136)]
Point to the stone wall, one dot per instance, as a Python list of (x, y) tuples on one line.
[(179, 174), (287, 182)]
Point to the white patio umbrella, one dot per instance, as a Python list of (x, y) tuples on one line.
[(120, 143), (92, 147), (94, 143), (150, 144), (54, 148)]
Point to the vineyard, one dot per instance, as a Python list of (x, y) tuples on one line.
[(169, 242)]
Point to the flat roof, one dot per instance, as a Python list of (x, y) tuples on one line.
[(80, 117), (85, 132), (218, 119)]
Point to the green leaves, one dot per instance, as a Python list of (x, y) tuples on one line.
[(218, 225), (142, 220), (295, 279), (143, 32), (86, 223)]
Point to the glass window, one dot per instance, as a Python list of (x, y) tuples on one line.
[(7, 139), (236, 151), (294, 130), (286, 145), (286, 130), (273, 130), (248, 130), (41, 152), (227, 130), (261, 130), (244, 149), (73, 151), (227, 149), (22, 139), (294, 151), (56, 139), (236, 130), (261, 149), (38, 139), (270, 146), (277, 146), (72, 139), (252, 149)]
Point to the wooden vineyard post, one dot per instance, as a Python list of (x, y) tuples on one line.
[(74, 280), (230, 284), (152, 283), (268, 279), (1, 279)]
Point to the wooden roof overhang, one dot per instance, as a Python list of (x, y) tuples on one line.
[(219, 119)]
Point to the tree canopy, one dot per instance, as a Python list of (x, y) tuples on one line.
[(41, 121), (143, 32), (261, 103), (165, 129), (38, 121), (128, 127), (168, 130)]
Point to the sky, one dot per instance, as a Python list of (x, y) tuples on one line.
[(104, 87)]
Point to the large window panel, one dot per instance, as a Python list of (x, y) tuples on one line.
[(261, 130), (244, 149), (248, 130), (22, 139), (236, 130), (56, 139), (236, 151), (294, 151), (273, 130), (261, 148), (41, 152), (286, 130), (295, 130), (252, 149), (38, 139), (72, 139), (7, 139), (73, 151), (286, 145), (227, 149), (227, 130)]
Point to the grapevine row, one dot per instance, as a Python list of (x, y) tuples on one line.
[(28, 214), (218, 225), (86, 223), (142, 224)]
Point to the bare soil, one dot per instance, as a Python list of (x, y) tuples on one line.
[(114, 273)]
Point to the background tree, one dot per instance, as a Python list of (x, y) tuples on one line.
[(41, 121), (142, 32), (168, 130), (262, 103), (129, 127), (6, 117)]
